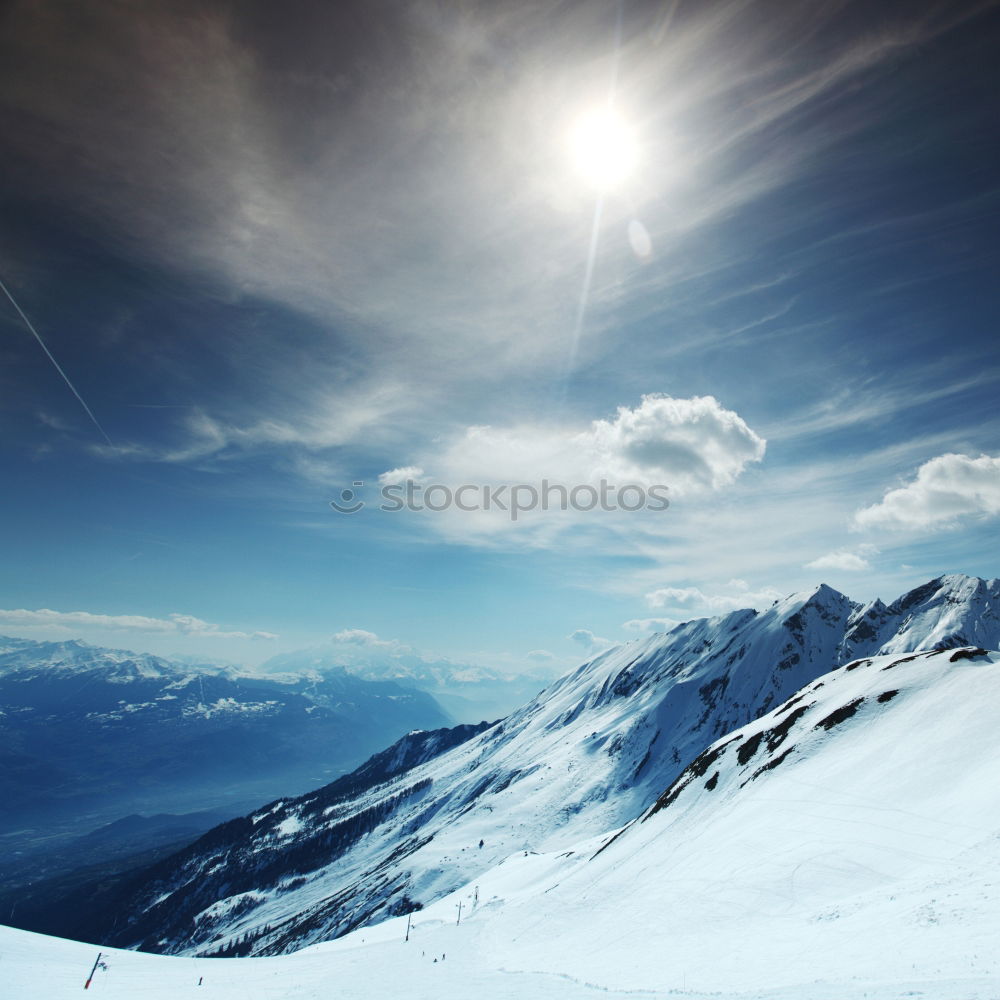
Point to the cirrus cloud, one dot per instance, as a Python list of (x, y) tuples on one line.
[(176, 624)]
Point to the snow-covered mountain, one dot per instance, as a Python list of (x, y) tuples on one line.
[(846, 845), (587, 755), (96, 733), (949, 611)]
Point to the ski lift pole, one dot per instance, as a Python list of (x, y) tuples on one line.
[(409, 917), (90, 978), (457, 922)]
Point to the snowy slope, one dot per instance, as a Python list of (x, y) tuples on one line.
[(851, 834), (845, 845), (588, 754)]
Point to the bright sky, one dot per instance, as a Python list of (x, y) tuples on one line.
[(744, 251)]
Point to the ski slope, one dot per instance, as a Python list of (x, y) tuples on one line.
[(845, 845)]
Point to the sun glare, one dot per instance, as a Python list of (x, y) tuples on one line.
[(603, 148)]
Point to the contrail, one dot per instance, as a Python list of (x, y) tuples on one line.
[(48, 353)]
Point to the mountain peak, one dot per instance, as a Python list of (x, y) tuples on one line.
[(825, 594), (950, 610), (823, 601)]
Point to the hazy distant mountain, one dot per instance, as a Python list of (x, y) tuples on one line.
[(469, 692), (588, 755), (93, 734)]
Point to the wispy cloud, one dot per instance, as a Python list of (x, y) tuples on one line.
[(325, 191), (174, 624)]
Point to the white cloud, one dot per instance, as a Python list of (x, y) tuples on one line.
[(739, 596), (676, 597), (396, 476), (592, 643), (689, 445), (946, 488), (362, 637), (845, 560), (175, 624), (540, 655), (358, 636), (548, 484)]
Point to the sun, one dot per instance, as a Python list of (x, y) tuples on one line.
[(603, 148)]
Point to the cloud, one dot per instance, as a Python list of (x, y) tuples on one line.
[(739, 596), (354, 178), (690, 445), (540, 655), (362, 637), (176, 624), (590, 642), (545, 484), (328, 424), (946, 489), (650, 624), (357, 636), (676, 597), (395, 476), (844, 560)]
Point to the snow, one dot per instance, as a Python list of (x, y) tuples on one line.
[(229, 706), (829, 860), (289, 826)]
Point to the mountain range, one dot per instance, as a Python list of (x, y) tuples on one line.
[(624, 736), (90, 735)]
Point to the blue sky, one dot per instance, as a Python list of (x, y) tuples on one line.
[(280, 252)]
